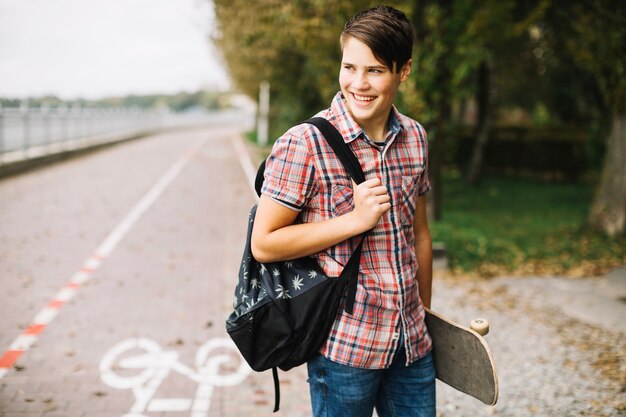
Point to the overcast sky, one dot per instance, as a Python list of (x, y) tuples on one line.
[(97, 48)]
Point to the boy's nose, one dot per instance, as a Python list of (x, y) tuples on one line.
[(361, 82)]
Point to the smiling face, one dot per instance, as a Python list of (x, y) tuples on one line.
[(369, 87)]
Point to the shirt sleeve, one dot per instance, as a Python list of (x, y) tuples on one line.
[(289, 172), (423, 184)]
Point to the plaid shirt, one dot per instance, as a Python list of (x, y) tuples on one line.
[(303, 173)]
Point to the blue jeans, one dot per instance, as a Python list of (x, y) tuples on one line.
[(399, 391)]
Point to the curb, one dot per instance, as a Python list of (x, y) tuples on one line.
[(22, 161), (18, 162)]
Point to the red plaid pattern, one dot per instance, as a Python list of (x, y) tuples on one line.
[(303, 173)]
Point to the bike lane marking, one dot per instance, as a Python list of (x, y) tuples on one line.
[(46, 315), (155, 364)]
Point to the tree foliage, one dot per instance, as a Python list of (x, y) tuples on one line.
[(545, 53), (293, 45), (558, 61)]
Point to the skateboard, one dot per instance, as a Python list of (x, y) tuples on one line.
[(462, 358)]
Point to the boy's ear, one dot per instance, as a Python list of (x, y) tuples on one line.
[(406, 70)]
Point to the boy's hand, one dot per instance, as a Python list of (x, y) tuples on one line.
[(371, 201)]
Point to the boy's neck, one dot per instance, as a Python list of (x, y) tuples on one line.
[(376, 130)]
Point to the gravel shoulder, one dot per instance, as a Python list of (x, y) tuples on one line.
[(559, 344)]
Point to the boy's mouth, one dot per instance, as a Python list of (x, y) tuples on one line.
[(363, 99)]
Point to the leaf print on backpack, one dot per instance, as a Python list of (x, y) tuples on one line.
[(296, 283)]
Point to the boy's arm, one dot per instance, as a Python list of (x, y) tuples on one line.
[(275, 237), (423, 251)]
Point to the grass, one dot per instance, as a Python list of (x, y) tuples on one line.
[(522, 227)]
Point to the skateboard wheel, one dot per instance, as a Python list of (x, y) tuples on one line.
[(480, 326)]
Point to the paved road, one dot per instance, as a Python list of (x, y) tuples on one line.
[(118, 269), (135, 270)]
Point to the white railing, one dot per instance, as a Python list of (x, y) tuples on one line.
[(32, 132), (24, 128)]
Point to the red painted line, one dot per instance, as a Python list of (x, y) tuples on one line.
[(9, 358), (34, 329), (72, 285), (27, 338)]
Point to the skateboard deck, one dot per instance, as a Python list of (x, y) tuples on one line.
[(462, 358)]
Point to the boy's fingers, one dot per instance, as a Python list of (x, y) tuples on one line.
[(384, 198), (379, 190), (371, 183)]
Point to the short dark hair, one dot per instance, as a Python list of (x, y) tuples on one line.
[(386, 31)]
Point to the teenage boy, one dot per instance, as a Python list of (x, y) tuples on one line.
[(378, 357)]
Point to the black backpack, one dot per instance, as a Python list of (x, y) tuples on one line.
[(283, 311)]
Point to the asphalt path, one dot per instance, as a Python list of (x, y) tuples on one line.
[(118, 269)]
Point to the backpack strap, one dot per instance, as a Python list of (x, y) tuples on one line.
[(260, 176), (352, 165), (276, 389), (343, 151), (335, 140)]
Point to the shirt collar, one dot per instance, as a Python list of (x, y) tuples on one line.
[(350, 129), (395, 126)]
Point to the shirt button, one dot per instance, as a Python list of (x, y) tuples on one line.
[(395, 336)]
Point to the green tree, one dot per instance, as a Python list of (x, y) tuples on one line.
[(444, 60), (603, 35), (591, 35), (498, 33), (293, 45), (565, 58)]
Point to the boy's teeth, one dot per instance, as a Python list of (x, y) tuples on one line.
[(363, 98)]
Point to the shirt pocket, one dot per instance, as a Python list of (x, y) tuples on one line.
[(342, 201), (408, 197)]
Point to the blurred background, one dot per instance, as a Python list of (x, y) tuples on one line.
[(523, 101)]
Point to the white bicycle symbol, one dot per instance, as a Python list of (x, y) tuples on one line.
[(156, 364)]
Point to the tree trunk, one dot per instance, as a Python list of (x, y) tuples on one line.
[(608, 211), (486, 112)]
